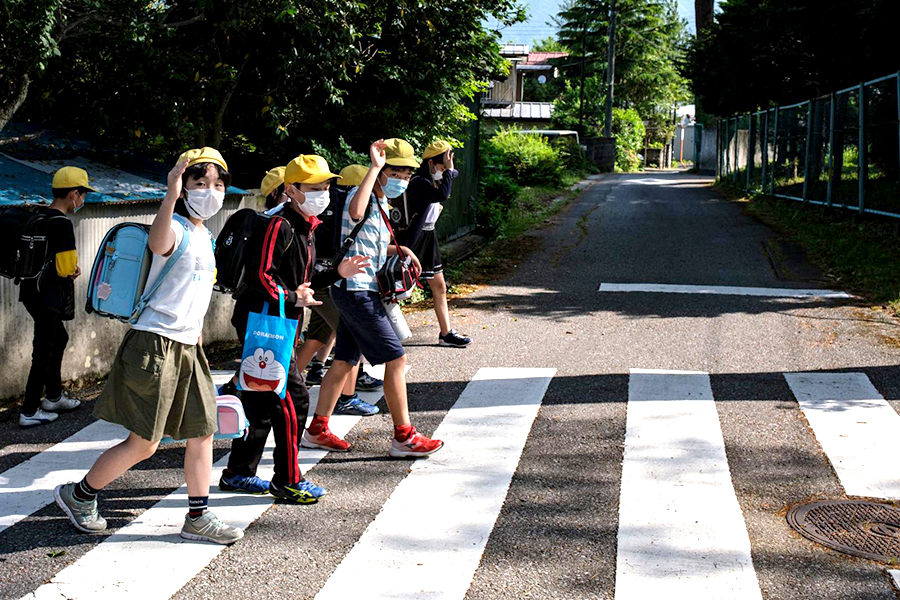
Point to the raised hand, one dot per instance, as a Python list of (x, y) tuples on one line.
[(449, 162), (353, 265), (376, 154), (305, 296), (174, 179)]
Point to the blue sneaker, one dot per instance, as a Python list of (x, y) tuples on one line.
[(355, 406), (241, 483), (305, 492)]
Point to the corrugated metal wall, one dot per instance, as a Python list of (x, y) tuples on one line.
[(93, 341)]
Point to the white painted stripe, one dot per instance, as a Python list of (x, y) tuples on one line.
[(856, 428), (148, 559), (429, 537), (720, 290), (681, 530), (28, 486), (895, 575)]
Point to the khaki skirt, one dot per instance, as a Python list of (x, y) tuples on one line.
[(157, 387)]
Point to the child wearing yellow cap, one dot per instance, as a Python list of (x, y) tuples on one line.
[(364, 328), (428, 190), (50, 300), (280, 256), (160, 382)]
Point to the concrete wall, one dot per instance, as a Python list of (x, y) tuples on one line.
[(708, 159), (602, 152), (93, 341)]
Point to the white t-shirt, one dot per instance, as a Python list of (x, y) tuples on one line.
[(177, 309)]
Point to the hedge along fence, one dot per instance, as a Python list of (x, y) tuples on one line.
[(841, 150)]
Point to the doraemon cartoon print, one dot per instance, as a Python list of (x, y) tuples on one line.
[(260, 372)]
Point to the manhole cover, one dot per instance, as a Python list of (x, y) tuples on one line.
[(866, 529)]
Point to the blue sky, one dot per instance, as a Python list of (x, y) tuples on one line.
[(540, 12)]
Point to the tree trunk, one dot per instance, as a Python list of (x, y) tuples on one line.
[(703, 13), (7, 110)]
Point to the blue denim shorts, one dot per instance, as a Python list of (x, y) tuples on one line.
[(364, 329)]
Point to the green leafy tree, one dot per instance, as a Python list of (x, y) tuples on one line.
[(759, 53), (650, 43)]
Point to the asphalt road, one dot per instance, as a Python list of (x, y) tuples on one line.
[(556, 535)]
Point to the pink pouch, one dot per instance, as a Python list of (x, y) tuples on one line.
[(232, 420)]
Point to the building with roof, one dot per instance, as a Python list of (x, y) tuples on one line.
[(26, 172), (505, 101)]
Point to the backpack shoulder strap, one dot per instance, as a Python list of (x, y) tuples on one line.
[(351, 239), (170, 262)]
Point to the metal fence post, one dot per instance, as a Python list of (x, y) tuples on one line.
[(861, 170), (734, 169), (809, 114), (765, 151), (774, 153), (897, 76), (831, 150), (750, 131)]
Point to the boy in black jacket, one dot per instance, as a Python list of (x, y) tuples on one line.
[(50, 300), (282, 255)]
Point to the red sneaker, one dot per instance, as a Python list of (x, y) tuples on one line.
[(324, 441), (415, 445)]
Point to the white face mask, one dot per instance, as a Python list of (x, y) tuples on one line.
[(204, 203), (316, 202), (437, 175)]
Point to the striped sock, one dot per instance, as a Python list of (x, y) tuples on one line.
[(84, 492), (197, 505)]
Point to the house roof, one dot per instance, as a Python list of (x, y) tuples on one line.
[(521, 111), (29, 182), (540, 58)]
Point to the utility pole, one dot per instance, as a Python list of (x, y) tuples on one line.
[(583, 57), (610, 70)]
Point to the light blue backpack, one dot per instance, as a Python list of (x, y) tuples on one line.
[(119, 275)]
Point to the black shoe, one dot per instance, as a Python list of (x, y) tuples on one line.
[(454, 339), (316, 373), (329, 359), (366, 382)]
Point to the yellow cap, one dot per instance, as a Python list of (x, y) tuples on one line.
[(400, 154), (435, 148), (353, 175), (203, 155), (272, 180), (71, 177), (308, 168)]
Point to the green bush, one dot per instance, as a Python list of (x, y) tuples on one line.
[(571, 154), (629, 131), (529, 159)]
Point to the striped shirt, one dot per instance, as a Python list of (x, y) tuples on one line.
[(372, 240)]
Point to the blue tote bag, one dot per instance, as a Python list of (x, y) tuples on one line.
[(268, 347)]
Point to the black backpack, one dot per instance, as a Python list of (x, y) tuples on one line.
[(329, 249), (230, 246), (23, 243)]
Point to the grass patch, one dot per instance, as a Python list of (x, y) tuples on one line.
[(861, 255)]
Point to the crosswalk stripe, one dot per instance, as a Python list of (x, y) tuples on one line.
[(28, 486), (429, 537), (681, 530), (856, 428), (148, 559), (719, 290)]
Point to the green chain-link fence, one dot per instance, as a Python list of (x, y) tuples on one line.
[(839, 150)]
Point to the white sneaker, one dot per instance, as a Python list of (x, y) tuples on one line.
[(61, 403), (38, 418)]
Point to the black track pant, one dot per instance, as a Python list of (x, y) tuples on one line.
[(266, 411), (50, 339)]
